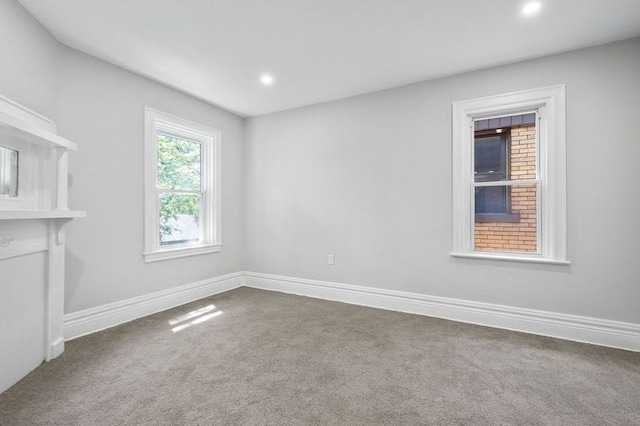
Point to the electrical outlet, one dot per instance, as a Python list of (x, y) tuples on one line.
[(331, 259)]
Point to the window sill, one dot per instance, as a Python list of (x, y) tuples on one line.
[(173, 253), (511, 258)]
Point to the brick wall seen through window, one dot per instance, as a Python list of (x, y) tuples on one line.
[(506, 216)]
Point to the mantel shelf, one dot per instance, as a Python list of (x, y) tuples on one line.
[(41, 214), (15, 127)]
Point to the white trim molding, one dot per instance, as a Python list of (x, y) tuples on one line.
[(596, 331), (88, 321)]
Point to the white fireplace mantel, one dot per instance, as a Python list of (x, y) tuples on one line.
[(32, 243)]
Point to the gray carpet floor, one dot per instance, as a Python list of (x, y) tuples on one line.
[(259, 358)]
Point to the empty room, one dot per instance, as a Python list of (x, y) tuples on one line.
[(346, 212)]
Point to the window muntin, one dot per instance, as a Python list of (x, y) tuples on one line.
[(182, 196), (532, 188)]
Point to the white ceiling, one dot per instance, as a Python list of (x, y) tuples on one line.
[(322, 50)]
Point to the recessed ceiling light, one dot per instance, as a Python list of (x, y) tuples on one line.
[(266, 79), (531, 8)]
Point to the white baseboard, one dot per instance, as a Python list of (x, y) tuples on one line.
[(616, 334), (596, 331), (55, 349), (88, 321)]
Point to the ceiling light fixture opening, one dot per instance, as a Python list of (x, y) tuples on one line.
[(266, 79), (531, 8)]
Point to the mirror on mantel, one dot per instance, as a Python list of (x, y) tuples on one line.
[(8, 172)]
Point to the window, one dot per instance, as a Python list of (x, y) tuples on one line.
[(509, 178), (182, 187)]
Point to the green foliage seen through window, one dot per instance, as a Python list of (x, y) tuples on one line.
[(179, 169)]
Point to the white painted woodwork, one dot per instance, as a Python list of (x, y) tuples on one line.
[(41, 214), (22, 315), (62, 178), (15, 126), (32, 244), (22, 237)]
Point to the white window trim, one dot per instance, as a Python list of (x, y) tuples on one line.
[(210, 139), (550, 101)]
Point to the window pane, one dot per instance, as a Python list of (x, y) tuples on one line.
[(179, 218), (505, 148), (8, 172), (513, 231), (492, 199), (179, 163), (490, 157)]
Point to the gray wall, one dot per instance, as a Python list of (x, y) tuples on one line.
[(369, 180), (102, 108), (28, 61)]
